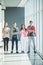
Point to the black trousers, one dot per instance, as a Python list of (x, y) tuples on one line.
[(6, 40), (16, 40)]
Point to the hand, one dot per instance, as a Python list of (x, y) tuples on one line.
[(31, 31), (6, 33)]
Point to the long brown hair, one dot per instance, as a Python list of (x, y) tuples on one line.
[(22, 27), (5, 24)]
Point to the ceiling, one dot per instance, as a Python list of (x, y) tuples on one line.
[(12, 3)]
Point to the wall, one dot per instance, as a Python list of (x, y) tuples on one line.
[(14, 14)]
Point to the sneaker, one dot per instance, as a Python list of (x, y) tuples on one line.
[(11, 51), (28, 52), (34, 51), (22, 52), (17, 52)]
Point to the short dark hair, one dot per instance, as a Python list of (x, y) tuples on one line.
[(30, 22)]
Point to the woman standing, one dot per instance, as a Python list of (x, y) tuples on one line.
[(6, 34), (23, 36)]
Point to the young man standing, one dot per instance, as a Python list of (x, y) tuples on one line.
[(31, 35), (15, 37)]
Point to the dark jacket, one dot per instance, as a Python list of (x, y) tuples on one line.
[(15, 33)]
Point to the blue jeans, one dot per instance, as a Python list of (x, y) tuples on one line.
[(31, 38), (16, 40)]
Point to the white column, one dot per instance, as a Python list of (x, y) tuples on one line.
[(3, 17), (41, 26), (0, 23), (35, 19), (38, 25)]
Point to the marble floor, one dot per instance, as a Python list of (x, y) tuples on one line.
[(20, 59)]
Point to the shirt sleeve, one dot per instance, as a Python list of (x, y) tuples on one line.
[(34, 28), (27, 28), (17, 30)]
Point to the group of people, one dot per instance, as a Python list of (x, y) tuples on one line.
[(29, 32)]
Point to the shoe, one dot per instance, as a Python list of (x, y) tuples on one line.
[(17, 52), (11, 51), (34, 51), (22, 52), (28, 52)]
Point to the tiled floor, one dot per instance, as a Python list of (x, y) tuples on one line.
[(20, 59)]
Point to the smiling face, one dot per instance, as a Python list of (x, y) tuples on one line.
[(6, 24), (31, 23), (22, 26), (14, 25)]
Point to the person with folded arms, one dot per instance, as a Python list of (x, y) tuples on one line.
[(23, 38), (31, 35), (15, 36), (6, 35)]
